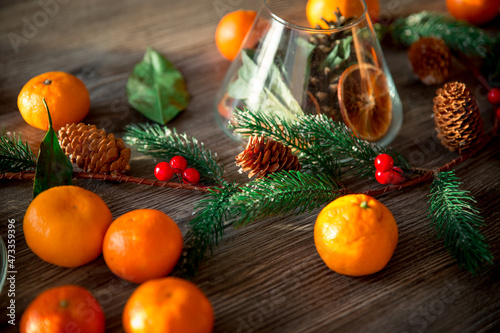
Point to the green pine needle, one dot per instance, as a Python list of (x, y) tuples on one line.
[(458, 35), (323, 145), (312, 157), (338, 143), (211, 216), (456, 220), (15, 156), (159, 141), (280, 194), (283, 193)]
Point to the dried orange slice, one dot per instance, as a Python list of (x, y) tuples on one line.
[(365, 101)]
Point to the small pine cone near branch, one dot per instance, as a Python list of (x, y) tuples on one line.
[(93, 150), (430, 59), (263, 156), (456, 114)]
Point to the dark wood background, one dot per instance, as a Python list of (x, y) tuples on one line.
[(266, 277)]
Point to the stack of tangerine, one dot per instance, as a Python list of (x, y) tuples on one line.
[(70, 226)]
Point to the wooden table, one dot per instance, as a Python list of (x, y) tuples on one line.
[(266, 277)]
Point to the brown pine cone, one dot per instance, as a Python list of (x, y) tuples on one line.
[(263, 156), (430, 59), (458, 121), (93, 150)]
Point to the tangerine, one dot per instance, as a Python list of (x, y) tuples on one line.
[(66, 96), (318, 9), (63, 309), (365, 101), (232, 30), (474, 11), (355, 235), (65, 225), (142, 244), (168, 305)]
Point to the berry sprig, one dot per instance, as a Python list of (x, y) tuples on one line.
[(386, 172), (178, 165)]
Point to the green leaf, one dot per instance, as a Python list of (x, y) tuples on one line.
[(156, 88), (274, 97), (53, 167), (340, 53)]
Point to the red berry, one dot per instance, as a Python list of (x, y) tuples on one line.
[(498, 114), (163, 171), (399, 176), (384, 177), (178, 163), (494, 96), (384, 162), (191, 175)]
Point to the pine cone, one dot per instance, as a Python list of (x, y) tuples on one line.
[(323, 83), (263, 156), (457, 117), (93, 150), (430, 59)]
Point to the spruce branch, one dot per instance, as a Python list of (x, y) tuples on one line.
[(339, 143), (284, 130), (456, 219), (15, 156), (283, 193), (323, 145), (458, 35), (212, 214), (159, 141)]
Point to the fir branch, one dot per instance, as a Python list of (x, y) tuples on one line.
[(211, 215), (283, 193), (458, 35), (456, 220), (15, 156), (339, 144), (248, 123), (324, 146), (159, 141)]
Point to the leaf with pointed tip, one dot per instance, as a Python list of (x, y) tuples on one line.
[(53, 168), (156, 88)]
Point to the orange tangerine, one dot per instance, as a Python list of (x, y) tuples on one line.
[(355, 235)]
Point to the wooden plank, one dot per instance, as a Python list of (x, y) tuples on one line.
[(266, 277)]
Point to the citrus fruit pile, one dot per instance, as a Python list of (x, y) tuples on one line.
[(70, 226), (355, 235), (66, 96)]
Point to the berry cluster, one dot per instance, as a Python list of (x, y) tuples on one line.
[(386, 172), (164, 171), (494, 98)]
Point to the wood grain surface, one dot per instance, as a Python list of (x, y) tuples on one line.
[(266, 277)]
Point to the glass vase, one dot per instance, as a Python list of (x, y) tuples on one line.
[(286, 68)]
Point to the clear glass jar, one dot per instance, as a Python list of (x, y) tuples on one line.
[(286, 68)]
